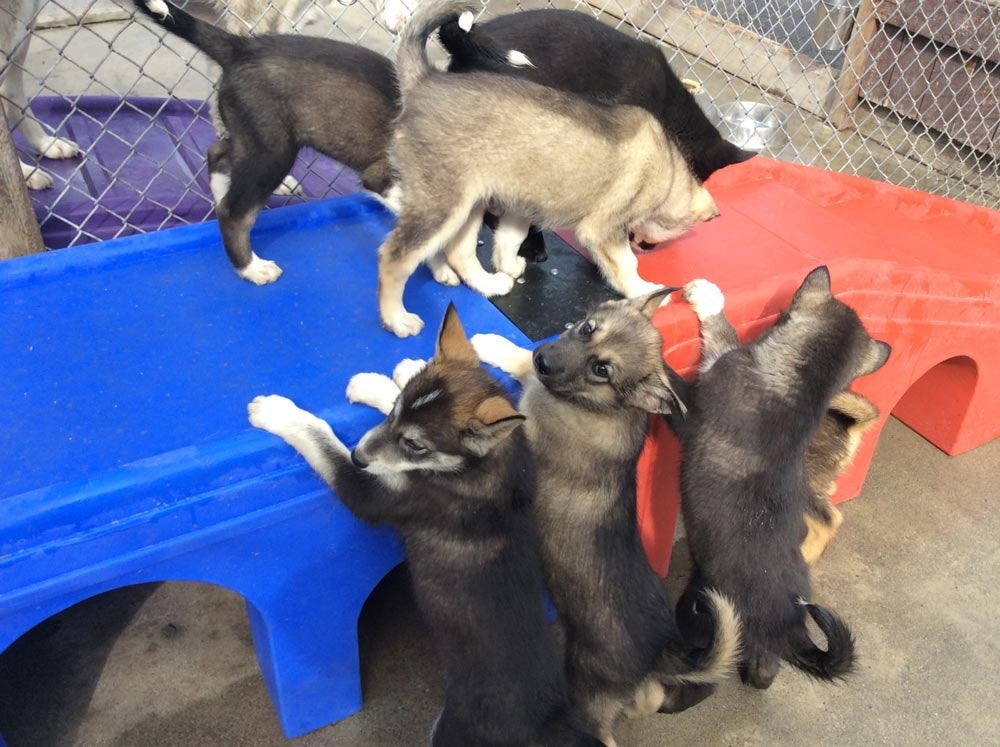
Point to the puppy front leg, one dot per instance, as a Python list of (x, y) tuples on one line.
[(510, 233), (15, 106), (617, 263), (315, 440), (717, 334), (500, 352)]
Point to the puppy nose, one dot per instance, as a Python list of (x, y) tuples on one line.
[(541, 365), (357, 461)]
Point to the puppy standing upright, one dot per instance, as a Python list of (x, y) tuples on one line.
[(451, 470), (465, 142), (279, 93), (586, 397), (752, 414)]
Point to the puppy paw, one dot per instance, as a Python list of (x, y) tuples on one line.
[(260, 271), (290, 186), (275, 414), (373, 389), (705, 298), (491, 284), (56, 147), (512, 266), (443, 273), (403, 324), (405, 370), (35, 178)]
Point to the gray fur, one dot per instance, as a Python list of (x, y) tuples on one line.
[(476, 139)]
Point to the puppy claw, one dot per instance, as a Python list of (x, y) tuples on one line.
[(260, 271), (404, 324), (373, 389), (274, 414), (705, 298), (491, 284), (405, 370)]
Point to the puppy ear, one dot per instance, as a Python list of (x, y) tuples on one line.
[(875, 357), (649, 303), (493, 420), (814, 289), (654, 394), (452, 344)]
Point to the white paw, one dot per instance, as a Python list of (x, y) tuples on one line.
[(494, 350), (512, 266), (289, 186), (491, 284), (56, 147), (705, 298), (275, 414), (373, 389), (260, 271), (406, 369), (443, 273), (35, 178), (403, 324)]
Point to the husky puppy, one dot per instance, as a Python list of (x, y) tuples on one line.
[(751, 416), (829, 454), (587, 396), (463, 142), (451, 470), (576, 53), (279, 93)]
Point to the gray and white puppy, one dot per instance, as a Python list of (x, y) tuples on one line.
[(587, 396), (463, 142), (753, 412)]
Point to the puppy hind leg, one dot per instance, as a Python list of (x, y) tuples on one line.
[(18, 113), (239, 200), (617, 263), (441, 270), (461, 254), (416, 236), (510, 233), (717, 334)]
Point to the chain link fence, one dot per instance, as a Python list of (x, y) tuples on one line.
[(904, 91)]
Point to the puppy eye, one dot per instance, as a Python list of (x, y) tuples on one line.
[(587, 329), (415, 446), (601, 370)]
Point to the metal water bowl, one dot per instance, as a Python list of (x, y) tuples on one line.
[(753, 125)]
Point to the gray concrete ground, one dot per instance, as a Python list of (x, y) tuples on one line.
[(913, 570)]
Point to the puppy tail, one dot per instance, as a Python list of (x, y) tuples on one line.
[(838, 659), (719, 659), (412, 64), (468, 49), (220, 45)]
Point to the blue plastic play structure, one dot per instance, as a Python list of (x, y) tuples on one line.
[(126, 455)]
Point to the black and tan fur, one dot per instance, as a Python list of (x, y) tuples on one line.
[(450, 468), (279, 93), (587, 396), (752, 414), (466, 142)]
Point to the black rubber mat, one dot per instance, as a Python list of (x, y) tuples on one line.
[(552, 294)]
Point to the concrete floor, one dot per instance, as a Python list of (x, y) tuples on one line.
[(913, 570)]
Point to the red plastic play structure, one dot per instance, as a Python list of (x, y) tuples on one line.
[(923, 272)]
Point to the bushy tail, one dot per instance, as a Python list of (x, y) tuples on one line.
[(838, 659), (468, 48), (220, 45), (718, 660), (412, 64)]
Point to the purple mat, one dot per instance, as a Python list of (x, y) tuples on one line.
[(143, 168)]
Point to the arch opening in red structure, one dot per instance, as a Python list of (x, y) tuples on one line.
[(937, 404)]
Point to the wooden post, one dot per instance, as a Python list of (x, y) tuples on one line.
[(846, 94), (19, 234)]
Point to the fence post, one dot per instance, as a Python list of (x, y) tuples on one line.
[(19, 234), (847, 91)]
